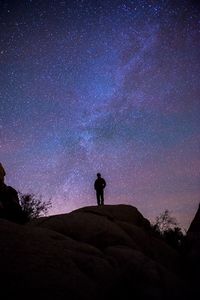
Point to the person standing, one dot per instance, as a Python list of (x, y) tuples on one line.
[(99, 186)]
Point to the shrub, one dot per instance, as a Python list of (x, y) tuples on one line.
[(33, 206)]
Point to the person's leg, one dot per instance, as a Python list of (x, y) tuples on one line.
[(98, 197)]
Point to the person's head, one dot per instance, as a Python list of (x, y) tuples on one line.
[(98, 175), (2, 173)]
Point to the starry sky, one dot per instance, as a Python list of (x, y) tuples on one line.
[(102, 86)]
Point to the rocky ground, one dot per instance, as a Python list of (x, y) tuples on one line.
[(106, 252)]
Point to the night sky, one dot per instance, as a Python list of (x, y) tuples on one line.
[(102, 86)]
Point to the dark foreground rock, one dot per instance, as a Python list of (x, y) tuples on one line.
[(192, 254), (106, 252)]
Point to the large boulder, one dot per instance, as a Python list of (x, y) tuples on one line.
[(90, 253), (192, 251)]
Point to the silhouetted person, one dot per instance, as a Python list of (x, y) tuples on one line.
[(10, 208), (99, 186)]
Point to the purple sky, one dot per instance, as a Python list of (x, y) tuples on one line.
[(102, 86)]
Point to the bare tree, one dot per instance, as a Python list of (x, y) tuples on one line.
[(166, 227), (165, 221)]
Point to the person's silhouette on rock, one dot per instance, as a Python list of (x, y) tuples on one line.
[(10, 208), (99, 186)]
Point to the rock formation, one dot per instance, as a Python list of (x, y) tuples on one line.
[(192, 251), (106, 252)]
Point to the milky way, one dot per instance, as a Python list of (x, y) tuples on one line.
[(102, 86)]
